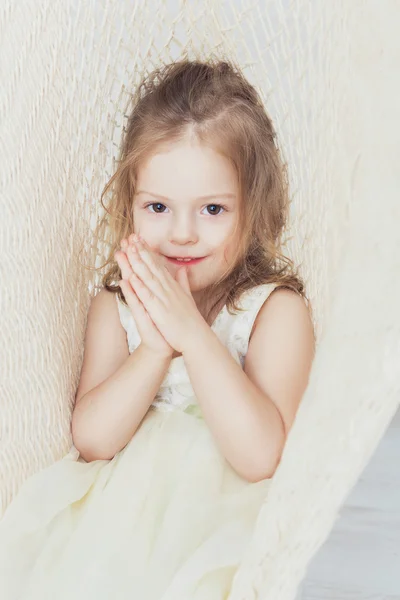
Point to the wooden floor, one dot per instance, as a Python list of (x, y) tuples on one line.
[(361, 558)]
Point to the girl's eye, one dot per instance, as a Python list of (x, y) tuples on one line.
[(155, 204), (158, 204), (218, 206)]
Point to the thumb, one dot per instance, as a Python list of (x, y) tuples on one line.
[(183, 280)]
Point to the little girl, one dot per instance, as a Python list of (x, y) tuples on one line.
[(197, 353)]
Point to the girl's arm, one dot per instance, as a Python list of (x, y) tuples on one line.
[(248, 426), (115, 388), (106, 418), (245, 423)]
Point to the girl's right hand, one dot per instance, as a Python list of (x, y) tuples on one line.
[(150, 335)]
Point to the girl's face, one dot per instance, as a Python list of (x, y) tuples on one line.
[(186, 205)]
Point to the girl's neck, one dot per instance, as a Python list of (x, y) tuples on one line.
[(204, 304)]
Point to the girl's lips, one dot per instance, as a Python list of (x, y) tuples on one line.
[(194, 261)]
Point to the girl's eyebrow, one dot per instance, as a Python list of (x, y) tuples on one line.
[(207, 197)]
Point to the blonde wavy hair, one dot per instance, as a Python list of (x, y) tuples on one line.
[(215, 101)]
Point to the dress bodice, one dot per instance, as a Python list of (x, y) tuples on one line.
[(176, 391)]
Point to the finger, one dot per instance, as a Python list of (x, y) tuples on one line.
[(122, 259), (141, 269), (152, 261), (155, 259), (183, 280), (138, 310), (123, 264), (150, 301)]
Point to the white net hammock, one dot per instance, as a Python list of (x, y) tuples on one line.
[(326, 73)]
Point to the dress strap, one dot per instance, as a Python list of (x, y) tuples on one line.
[(128, 323), (251, 302), (125, 314)]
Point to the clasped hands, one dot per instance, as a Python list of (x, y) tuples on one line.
[(163, 307)]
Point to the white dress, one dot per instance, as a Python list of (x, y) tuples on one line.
[(167, 518)]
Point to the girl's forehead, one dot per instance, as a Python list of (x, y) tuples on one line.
[(194, 170), (185, 153)]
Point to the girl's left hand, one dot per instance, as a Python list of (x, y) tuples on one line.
[(168, 301)]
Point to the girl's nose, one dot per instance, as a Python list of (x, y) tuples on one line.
[(183, 231)]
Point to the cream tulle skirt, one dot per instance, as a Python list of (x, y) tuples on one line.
[(166, 519)]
